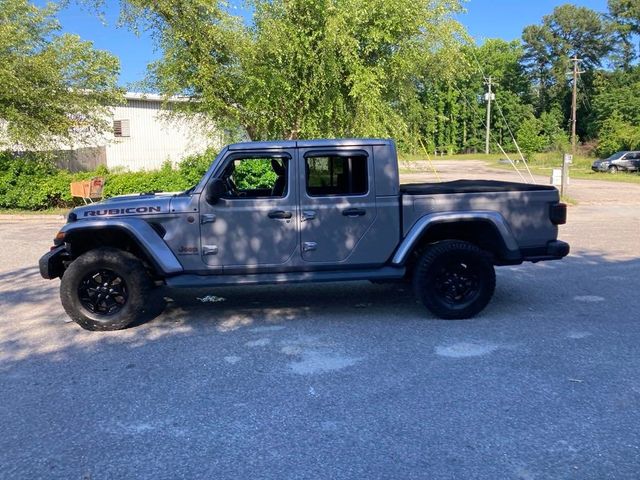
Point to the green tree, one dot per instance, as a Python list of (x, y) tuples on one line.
[(616, 135), (530, 137), (625, 23), (53, 87), (616, 95), (626, 12), (303, 68), (501, 61), (568, 31)]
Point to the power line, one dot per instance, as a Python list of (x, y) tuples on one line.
[(505, 121), (474, 110), (584, 97)]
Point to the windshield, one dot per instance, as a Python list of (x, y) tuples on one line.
[(615, 156)]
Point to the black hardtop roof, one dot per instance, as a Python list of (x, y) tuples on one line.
[(337, 142)]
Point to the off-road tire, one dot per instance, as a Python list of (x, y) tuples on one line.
[(454, 279), (129, 277)]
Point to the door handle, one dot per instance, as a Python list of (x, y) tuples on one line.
[(280, 214), (354, 212), (308, 215), (309, 246), (207, 218)]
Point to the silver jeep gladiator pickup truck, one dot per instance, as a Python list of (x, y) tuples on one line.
[(302, 211)]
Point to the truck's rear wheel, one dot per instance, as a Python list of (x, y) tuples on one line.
[(105, 289), (454, 279)]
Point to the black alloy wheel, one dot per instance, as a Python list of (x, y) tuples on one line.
[(103, 292), (108, 289), (457, 282), (454, 279)]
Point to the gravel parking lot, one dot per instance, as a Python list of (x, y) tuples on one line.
[(337, 380)]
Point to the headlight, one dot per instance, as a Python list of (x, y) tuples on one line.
[(59, 239)]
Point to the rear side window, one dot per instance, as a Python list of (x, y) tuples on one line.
[(336, 175)]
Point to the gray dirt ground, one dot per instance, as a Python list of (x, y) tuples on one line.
[(337, 380)]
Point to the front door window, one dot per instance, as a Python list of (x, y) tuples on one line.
[(253, 224)]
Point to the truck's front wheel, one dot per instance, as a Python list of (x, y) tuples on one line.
[(105, 289), (454, 279)]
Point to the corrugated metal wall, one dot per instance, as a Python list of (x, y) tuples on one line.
[(155, 139)]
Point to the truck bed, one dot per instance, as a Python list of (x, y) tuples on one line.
[(470, 186), (524, 206)]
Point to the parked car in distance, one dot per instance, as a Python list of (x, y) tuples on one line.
[(619, 161)]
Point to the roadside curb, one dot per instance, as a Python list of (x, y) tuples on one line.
[(18, 217)]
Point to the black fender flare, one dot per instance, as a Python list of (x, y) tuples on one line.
[(146, 238), (423, 224)]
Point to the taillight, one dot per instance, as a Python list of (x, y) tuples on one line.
[(558, 213)]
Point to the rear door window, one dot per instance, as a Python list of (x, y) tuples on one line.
[(336, 175)]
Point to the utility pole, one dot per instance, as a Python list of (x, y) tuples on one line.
[(488, 97), (574, 98)]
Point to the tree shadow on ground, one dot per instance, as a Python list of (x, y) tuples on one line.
[(34, 322), (224, 385)]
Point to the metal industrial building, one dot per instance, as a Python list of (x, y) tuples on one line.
[(144, 136)]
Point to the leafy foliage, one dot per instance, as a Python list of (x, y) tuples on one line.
[(251, 174), (329, 68), (303, 69), (530, 137), (32, 182), (616, 134), (52, 87)]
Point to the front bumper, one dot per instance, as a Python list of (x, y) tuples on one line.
[(554, 250), (601, 167), (50, 263)]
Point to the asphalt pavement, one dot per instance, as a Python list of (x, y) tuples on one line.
[(335, 381)]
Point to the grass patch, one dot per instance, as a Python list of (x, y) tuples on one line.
[(568, 200), (48, 211), (577, 171), (544, 163), (421, 157)]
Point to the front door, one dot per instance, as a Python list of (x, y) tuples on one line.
[(337, 203), (254, 224)]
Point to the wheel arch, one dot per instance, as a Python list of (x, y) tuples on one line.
[(133, 235), (487, 230)]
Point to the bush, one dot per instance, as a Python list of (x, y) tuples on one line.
[(31, 181), (193, 167), (616, 135), (252, 174), (530, 138), (164, 180)]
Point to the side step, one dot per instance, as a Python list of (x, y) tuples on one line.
[(215, 280)]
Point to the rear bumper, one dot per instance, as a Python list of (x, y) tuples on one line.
[(554, 250), (50, 263)]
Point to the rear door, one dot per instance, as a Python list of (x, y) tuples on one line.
[(337, 203), (627, 161)]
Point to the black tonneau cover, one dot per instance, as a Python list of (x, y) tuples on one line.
[(470, 186)]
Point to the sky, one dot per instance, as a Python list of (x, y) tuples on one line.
[(484, 19)]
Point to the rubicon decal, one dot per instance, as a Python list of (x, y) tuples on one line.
[(121, 211)]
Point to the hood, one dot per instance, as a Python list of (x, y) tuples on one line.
[(125, 205)]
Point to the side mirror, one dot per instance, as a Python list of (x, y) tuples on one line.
[(215, 191)]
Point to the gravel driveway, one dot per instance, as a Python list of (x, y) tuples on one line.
[(340, 381)]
